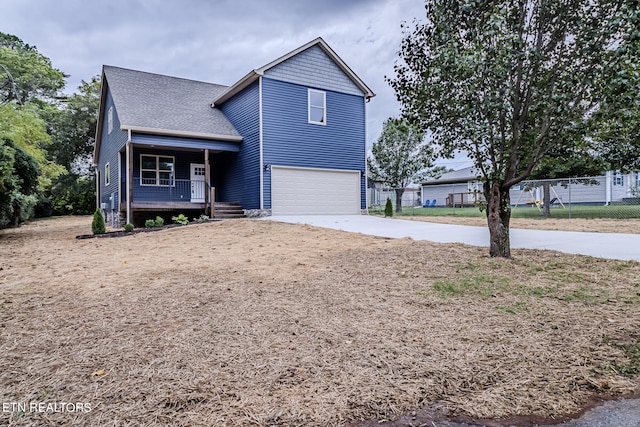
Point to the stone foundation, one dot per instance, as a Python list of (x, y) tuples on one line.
[(114, 219), (257, 213)]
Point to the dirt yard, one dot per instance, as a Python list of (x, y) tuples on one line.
[(250, 322)]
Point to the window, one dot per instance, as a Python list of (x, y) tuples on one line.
[(156, 170), (110, 119), (107, 174), (618, 178), (317, 107)]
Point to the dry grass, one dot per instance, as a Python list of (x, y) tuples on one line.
[(261, 323)]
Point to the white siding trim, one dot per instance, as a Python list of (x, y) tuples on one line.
[(260, 139)]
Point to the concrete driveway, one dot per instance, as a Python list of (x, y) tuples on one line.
[(602, 245)]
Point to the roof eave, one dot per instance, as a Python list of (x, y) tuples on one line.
[(231, 91), (103, 90), (186, 134)]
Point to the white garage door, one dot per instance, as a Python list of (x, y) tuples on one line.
[(297, 191)]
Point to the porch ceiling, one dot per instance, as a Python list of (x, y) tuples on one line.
[(185, 143)]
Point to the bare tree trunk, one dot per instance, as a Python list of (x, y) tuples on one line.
[(399, 193), (546, 200), (498, 217)]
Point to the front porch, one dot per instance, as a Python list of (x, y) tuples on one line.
[(181, 177), (174, 194)]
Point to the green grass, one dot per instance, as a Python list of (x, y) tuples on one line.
[(631, 350), (482, 285), (575, 211)]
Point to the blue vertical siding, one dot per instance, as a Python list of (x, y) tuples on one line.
[(110, 145), (241, 176), (289, 140)]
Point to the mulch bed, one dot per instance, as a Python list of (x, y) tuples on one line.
[(122, 233)]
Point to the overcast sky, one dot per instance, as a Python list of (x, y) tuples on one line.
[(217, 41)]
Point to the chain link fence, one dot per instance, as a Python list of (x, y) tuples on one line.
[(613, 195)]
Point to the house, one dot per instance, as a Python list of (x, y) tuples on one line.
[(287, 138), (463, 188), (378, 194), (454, 189)]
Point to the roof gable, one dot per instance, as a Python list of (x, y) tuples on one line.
[(351, 82), (313, 67)]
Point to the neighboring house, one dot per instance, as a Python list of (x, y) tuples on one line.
[(378, 194), (462, 188), (456, 188), (287, 138)]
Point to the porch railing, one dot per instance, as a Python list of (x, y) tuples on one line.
[(176, 190)]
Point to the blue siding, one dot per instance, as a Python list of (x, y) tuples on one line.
[(241, 177), (289, 140), (314, 67), (182, 169), (110, 145)]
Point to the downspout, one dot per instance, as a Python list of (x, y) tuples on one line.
[(97, 170), (366, 168), (608, 187), (260, 143), (129, 175)]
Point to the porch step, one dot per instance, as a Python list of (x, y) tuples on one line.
[(227, 210)]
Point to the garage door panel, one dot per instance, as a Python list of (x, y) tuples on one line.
[(297, 191)]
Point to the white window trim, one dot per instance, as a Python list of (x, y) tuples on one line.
[(157, 171), (618, 178), (107, 174), (110, 119), (324, 106)]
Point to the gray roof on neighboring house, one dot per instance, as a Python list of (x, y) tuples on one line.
[(462, 175), (154, 103)]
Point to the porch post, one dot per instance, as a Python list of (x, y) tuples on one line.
[(207, 180), (129, 156)]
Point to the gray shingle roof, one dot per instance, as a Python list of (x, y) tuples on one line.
[(461, 175), (164, 103)]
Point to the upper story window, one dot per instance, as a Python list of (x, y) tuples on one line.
[(157, 170), (317, 107), (110, 119)]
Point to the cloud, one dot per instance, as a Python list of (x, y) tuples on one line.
[(215, 41)]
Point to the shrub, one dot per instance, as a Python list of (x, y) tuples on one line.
[(150, 223), (128, 227), (388, 208), (180, 219), (159, 221), (97, 226)]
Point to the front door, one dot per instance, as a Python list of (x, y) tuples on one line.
[(198, 186)]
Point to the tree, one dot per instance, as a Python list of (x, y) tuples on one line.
[(508, 82), (399, 156), (23, 125), (18, 183), (73, 130), (34, 76), (616, 123)]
